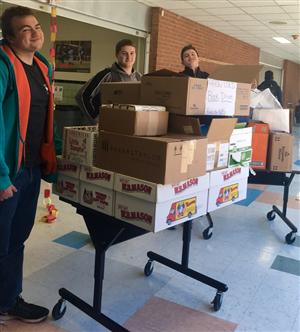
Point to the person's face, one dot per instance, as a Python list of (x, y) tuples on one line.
[(126, 57), (28, 34), (190, 59)]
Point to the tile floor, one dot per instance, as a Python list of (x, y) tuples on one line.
[(246, 252)]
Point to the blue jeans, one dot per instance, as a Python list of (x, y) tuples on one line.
[(17, 216)]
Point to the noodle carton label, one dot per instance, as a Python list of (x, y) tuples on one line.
[(66, 187), (97, 176)]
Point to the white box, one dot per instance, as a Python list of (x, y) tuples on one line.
[(153, 192), (240, 147), (66, 187), (155, 217), (67, 167), (97, 176), (97, 198), (79, 144), (227, 186)]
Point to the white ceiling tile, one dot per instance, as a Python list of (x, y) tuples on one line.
[(211, 4), (235, 17), (291, 9), (175, 4), (190, 12), (245, 23), (261, 10), (295, 16), (271, 17), (204, 18), (253, 3), (224, 11), (287, 2)]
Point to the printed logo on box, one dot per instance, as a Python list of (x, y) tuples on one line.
[(229, 174), (183, 186), (67, 167), (88, 197), (135, 215), (228, 193), (98, 175), (136, 187), (182, 209), (75, 145), (64, 185)]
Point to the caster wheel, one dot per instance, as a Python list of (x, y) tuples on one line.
[(59, 309), (148, 268), (271, 215), (290, 238), (217, 301), (207, 233)]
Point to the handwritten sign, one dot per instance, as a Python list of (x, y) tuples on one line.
[(220, 97)]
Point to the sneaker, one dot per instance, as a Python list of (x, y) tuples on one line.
[(25, 312)]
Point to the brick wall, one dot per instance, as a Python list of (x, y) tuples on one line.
[(291, 83), (170, 32)]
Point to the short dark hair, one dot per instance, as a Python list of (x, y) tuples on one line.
[(268, 75), (122, 43), (186, 48), (9, 14)]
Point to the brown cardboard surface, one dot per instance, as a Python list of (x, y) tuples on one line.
[(280, 152), (120, 93), (220, 129), (148, 123), (181, 95), (236, 73), (166, 159), (182, 124)]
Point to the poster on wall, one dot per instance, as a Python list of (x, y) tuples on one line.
[(73, 56)]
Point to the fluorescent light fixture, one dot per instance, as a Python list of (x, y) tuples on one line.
[(281, 40)]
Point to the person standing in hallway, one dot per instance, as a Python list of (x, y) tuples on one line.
[(122, 70), (27, 150), (190, 59), (269, 83)]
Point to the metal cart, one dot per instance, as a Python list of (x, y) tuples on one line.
[(106, 231), (278, 179)]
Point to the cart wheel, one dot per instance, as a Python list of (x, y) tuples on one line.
[(207, 233), (217, 301), (149, 268), (271, 215), (290, 238), (59, 309)]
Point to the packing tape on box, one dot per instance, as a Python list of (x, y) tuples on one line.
[(188, 152)]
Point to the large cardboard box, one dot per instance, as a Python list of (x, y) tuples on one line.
[(218, 134), (120, 93), (166, 159), (225, 92), (67, 167), (280, 152), (155, 217), (131, 122), (158, 193), (97, 198), (181, 95), (97, 176), (240, 150), (79, 144), (260, 140), (227, 186), (66, 187)]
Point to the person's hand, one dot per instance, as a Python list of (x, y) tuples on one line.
[(7, 193)]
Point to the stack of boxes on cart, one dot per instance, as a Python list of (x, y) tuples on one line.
[(151, 161)]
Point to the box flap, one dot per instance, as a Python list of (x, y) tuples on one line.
[(221, 129), (165, 73), (184, 124), (236, 73)]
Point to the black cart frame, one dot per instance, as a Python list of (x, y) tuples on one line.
[(106, 231)]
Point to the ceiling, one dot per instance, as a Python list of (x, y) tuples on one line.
[(246, 20)]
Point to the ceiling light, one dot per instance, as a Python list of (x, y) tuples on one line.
[(281, 40), (278, 22)]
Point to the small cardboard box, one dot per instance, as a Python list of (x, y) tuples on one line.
[(97, 198), (67, 167), (218, 135), (131, 122), (158, 193), (181, 95), (280, 152), (260, 139), (66, 187), (97, 176), (120, 93), (227, 186), (155, 217), (166, 159), (240, 150), (79, 144)]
